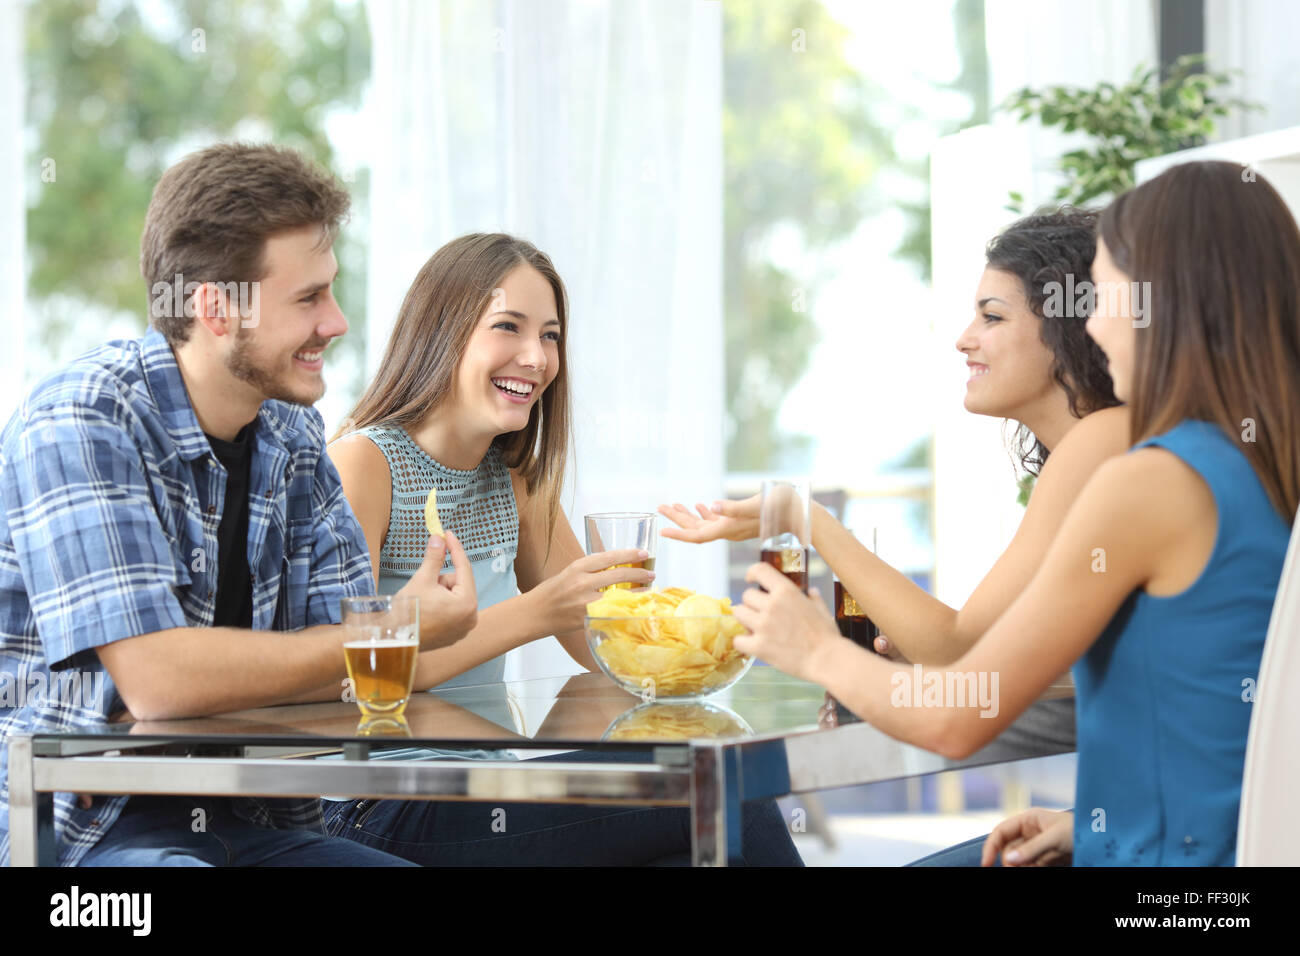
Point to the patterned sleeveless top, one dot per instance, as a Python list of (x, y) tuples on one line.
[(478, 506)]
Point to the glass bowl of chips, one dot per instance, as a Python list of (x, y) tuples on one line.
[(666, 645), (678, 720)]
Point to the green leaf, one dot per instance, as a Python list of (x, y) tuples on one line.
[(1149, 116)]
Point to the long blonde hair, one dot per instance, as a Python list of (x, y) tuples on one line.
[(434, 325)]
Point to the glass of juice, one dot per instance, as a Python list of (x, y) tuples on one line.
[(616, 530), (785, 528), (381, 645)]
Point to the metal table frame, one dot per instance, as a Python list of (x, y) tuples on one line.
[(709, 777)]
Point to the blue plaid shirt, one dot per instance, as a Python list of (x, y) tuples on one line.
[(110, 499)]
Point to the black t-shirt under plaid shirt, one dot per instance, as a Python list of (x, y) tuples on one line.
[(109, 515)]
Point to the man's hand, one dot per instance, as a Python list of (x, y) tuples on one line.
[(448, 602), (1032, 838)]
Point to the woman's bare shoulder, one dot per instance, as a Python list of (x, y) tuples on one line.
[(356, 456), (524, 501), (1105, 430), (1094, 440)]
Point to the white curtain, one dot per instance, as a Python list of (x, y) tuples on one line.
[(592, 129), (13, 175)]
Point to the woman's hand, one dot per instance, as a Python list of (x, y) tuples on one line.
[(726, 520), (1032, 838), (885, 648), (565, 596), (787, 628)]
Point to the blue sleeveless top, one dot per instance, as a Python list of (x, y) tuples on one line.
[(1163, 695), (478, 506)]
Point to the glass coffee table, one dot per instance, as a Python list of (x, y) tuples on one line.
[(768, 736)]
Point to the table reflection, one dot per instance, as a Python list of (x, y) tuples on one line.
[(660, 721)]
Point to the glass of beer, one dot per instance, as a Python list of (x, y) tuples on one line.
[(785, 528), (615, 531), (381, 645)]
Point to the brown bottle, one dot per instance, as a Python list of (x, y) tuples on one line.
[(852, 620)]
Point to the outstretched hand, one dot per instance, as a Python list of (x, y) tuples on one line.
[(725, 521)]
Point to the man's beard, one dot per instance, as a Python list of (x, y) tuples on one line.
[(242, 364)]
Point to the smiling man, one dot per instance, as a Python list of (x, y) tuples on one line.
[(168, 517)]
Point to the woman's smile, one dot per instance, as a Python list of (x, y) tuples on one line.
[(517, 391)]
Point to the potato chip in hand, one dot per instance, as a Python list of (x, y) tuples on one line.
[(431, 513)]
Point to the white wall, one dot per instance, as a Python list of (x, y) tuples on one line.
[(1037, 44), (1262, 39), (1032, 44), (975, 509), (1274, 155)]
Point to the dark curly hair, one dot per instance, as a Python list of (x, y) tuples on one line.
[(1040, 250)]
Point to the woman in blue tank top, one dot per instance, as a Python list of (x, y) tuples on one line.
[(472, 401), (1159, 586)]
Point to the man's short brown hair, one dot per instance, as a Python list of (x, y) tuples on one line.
[(212, 213)]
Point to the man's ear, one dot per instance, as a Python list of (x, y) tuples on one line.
[(209, 306)]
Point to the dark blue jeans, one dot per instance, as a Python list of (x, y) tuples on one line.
[(456, 833), (160, 831), (962, 854)]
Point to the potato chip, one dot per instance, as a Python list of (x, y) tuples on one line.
[(431, 513), (673, 641), (698, 605)]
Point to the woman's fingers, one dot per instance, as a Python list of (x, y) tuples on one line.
[(676, 513), (823, 609), (1031, 849), (689, 527), (1009, 831), (604, 560), (747, 616)]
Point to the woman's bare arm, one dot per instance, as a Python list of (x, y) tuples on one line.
[(1155, 520), (367, 483), (542, 557), (923, 628)]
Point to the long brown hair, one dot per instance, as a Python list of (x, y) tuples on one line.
[(437, 318), (1222, 254)]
